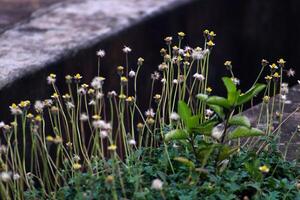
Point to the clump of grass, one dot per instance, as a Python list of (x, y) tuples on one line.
[(107, 138)]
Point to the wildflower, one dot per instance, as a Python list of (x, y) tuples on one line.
[(100, 53), (81, 91), (211, 35), (217, 132), (109, 179), (150, 113), (122, 96), (132, 142), (264, 169), (291, 72), (163, 51), (174, 116), (15, 110), (49, 138), (197, 54), (281, 62), (157, 97), (236, 81), (130, 99), (150, 121), (140, 126), (112, 94), (175, 81), (5, 176), (276, 75), (266, 99), (181, 35), (283, 97), (167, 58), (126, 49), (124, 80), (29, 116), (39, 106), (38, 118), (51, 79), (199, 77), (103, 134), (264, 62), (48, 102), (273, 66), (206, 33), (16, 176), (54, 95), (70, 105), (97, 82), (92, 102), (181, 52), (120, 70), (208, 89), (210, 44), (284, 89), (76, 166), (228, 64), (112, 147), (68, 79), (77, 77), (84, 117), (163, 80), (131, 74), (157, 184), (298, 81), (268, 78), (99, 95), (168, 40), (163, 66), (140, 61), (209, 112), (2, 124), (54, 110)]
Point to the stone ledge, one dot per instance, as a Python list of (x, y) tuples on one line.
[(62, 29)]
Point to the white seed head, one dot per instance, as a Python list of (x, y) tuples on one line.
[(131, 74), (101, 53), (174, 116), (157, 184)]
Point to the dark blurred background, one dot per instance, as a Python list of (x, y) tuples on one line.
[(247, 31)]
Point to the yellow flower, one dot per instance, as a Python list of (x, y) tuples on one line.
[(96, 117), (84, 86), (266, 99), (49, 138), (66, 96), (112, 147), (122, 96), (57, 139), (130, 99), (91, 91), (150, 121), (212, 34), (54, 95), (124, 79), (210, 43), (77, 77), (273, 66), (181, 34), (38, 118), (140, 126), (24, 104), (29, 116), (268, 78), (76, 166), (264, 169), (281, 62), (227, 63), (109, 179), (276, 75), (209, 89)]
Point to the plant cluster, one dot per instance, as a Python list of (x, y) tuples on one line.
[(189, 144)]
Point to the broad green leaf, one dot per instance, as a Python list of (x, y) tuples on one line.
[(226, 152), (184, 111), (219, 101), (242, 131), (218, 110), (205, 128), (239, 120), (185, 161), (257, 88), (204, 153), (193, 122), (176, 135), (202, 97), (232, 93)]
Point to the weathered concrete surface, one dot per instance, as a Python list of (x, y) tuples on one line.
[(63, 29), (13, 11), (291, 119)]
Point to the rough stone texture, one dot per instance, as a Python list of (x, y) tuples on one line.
[(291, 119), (13, 11), (64, 28)]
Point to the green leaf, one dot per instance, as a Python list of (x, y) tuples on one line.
[(184, 111), (185, 161), (257, 88), (232, 93), (193, 122), (205, 128), (242, 131), (176, 134), (204, 153), (239, 120), (218, 110), (219, 101), (202, 97), (226, 152)]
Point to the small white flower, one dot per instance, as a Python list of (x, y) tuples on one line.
[(236, 81), (163, 80), (283, 97), (92, 102), (103, 134), (209, 112), (284, 88), (291, 72), (217, 132), (298, 81), (51, 80), (126, 49), (112, 93), (39, 106), (199, 77), (84, 117), (5, 176), (70, 105), (97, 82), (157, 184), (16, 176), (174, 116), (155, 75), (2, 124), (101, 53), (98, 124), (150, 113), (181, 52), (175, 81), (132, 142), (99, 95), (131, 74), (197, 54), (81, 91), (15, 110)]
